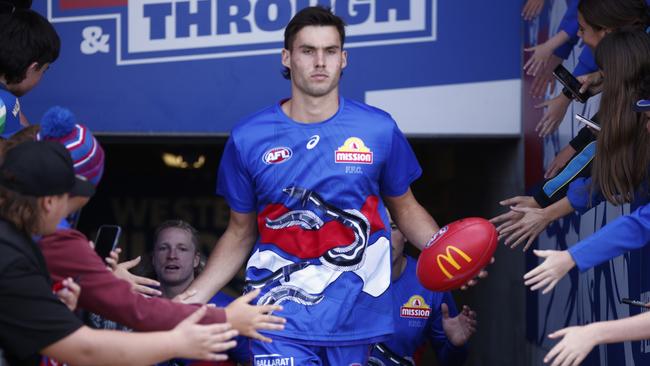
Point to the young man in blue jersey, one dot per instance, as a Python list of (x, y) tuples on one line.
[(421, 315), (307, 180), (28, 45)]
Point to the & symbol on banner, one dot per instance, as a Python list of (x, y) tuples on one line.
[(94, 40)]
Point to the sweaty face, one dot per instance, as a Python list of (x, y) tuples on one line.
[(174, 257), (315, 60), (589, 35)]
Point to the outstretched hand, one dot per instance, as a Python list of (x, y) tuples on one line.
[(555, 266), (203, 342), (534, 221), (538, 60), (575, 345), (459, 328), (512, 217), (532, 8), (139, 284), (248, 319), (553, 115), (544, 78)]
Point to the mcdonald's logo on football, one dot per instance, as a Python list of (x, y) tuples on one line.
[(449, 258)]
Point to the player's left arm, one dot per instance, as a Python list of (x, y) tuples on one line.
[(411, 218)]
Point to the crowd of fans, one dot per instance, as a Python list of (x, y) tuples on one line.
[(49, 171)]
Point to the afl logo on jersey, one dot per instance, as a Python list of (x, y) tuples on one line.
[(277, 155)]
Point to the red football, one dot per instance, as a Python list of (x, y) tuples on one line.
[(456, 254)]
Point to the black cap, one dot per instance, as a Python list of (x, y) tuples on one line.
[(42, 168)]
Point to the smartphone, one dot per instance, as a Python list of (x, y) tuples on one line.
[(588, 122), (570, 82), (634, 302), (106, 240)]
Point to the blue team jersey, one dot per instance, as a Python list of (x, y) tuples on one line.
[(417, 315), (9, 113), (323, 248), (241, 353)]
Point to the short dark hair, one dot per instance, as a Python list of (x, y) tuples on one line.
[(311, 16), (25, 37)]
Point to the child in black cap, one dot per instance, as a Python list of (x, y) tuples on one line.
[(36, 179)]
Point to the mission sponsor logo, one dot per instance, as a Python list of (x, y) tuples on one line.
[(277, 155), (150, 31), (415, 307), (353, 151)]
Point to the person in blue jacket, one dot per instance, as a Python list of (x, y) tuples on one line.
[(623, 234), (626, 233), (596, 19), (421, 315)]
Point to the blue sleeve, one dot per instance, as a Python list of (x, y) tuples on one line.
[(569, 25), (401, 167), (554, 189), (586, 63), (446, 353), (580, 196), (619, 236), (9, 114), (564, 50), (234, 182)]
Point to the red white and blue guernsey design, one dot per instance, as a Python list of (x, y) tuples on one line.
[(323, 248)]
